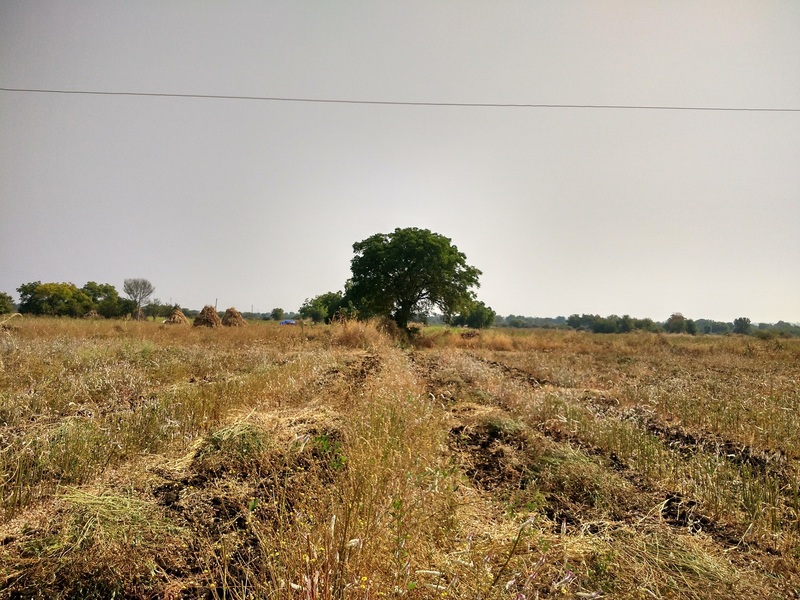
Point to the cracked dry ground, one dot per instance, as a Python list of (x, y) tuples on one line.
[(337, 465)]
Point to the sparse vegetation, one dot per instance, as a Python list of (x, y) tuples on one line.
[(139, 460)]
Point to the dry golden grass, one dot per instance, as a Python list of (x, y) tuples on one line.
[(142, 461)]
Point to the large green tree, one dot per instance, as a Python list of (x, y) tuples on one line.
[(6, 303), (29, 301), (477, 316), (99, 291), (741, 325), (675, 324), (57, 299), (323, 307), (106, 300), (408, 272)]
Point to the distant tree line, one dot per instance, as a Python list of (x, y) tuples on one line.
[(611, 324), (276, 314), (68, 300), (676, 323), (522, 322), (779, 329)]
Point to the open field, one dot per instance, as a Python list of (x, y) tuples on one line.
[(144, 461)]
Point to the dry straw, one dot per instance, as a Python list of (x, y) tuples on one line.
[(233, 318), (177, 318), (208, 317)]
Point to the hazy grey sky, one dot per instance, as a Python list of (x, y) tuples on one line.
[(258, 203)]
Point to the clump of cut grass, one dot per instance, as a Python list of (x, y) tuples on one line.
[(238, 448), (665, 565), (109, 519), (95, 545)]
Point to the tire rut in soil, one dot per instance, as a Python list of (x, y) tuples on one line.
[(676, 510), (687, 443), (491, 456), (501, 462), (514, 373)]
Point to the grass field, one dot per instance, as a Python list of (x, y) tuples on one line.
[(144, 461)]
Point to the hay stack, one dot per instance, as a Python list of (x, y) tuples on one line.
[(177, 318), (208, 317), (233, 318)]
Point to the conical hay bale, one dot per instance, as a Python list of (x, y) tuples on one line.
[(233, 318), (177, 318), (208, 317)]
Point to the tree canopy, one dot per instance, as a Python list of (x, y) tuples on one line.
[(407, 272), (741, 325), (56, 299), (67, 300), (610, 324), (105, 299), (477, 316), (138, 290), (677, 323), (6, 303), (323, 307)]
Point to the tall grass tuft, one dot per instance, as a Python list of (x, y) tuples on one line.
[(350, 333)]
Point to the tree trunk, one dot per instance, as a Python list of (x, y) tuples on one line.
[(402, 316)]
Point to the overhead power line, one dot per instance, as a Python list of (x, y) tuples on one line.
[(399, 102)]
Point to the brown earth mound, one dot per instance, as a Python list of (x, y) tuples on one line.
[(177, 318), (208, 317), (233, 318)]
